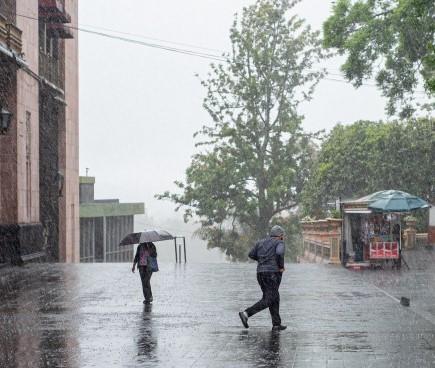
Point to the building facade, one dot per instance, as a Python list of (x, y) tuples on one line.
[(39, 194), (103, 224)]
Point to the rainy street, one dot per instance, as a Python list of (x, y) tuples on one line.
[(55, 315), (172, 171)]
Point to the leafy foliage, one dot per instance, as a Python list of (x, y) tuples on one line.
[(366, 157), (257, 157), (395, 35)]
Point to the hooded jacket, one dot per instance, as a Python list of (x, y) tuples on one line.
[(269, 253)]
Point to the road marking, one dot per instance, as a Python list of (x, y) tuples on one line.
[(384, 292), (418, 311)]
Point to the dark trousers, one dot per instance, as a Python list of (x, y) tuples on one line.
[(145, 277), (269, 283)]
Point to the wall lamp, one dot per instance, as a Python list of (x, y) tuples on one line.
[(5, 120)]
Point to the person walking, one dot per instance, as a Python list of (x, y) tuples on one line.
[(144, 264), (269, 253)]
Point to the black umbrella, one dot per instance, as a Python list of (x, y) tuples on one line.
[(146, 237)]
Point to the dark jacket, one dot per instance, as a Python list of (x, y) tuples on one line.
[(151, 249), (269, 253)]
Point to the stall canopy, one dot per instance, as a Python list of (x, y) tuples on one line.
[(385, 201), (395, 201)]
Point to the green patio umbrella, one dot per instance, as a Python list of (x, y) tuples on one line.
[(395, 201)]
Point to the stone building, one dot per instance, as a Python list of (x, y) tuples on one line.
[(39, 196), (103, 224)]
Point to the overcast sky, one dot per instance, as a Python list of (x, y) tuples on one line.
[(139, 106)]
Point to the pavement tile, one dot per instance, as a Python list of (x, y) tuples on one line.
[(91, 315)]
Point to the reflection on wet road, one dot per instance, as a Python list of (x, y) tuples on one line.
[(92, 316)]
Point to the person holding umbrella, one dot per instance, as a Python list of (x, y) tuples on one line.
[(143, 258), (146, 256)]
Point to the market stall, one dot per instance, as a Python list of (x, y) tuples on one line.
[(372, 227)]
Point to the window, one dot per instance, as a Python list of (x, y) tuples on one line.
[(48, 45)]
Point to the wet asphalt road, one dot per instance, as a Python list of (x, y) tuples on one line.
[(92, 316)]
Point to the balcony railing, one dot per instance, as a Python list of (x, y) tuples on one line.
[(49, 68), (56, 30), (53, 11)]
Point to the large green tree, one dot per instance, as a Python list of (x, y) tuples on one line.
[(366, 157), (391, 40), (256, 156)]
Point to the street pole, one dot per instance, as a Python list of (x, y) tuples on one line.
[(184, 244)]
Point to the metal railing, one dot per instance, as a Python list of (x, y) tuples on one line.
[(49, 68)]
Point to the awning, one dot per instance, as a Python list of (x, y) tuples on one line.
[(357, 210)]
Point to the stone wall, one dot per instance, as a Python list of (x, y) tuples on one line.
[(321, 241), (49, 170), (8, 10)]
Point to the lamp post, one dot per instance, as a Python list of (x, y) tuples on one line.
[(5, 120)]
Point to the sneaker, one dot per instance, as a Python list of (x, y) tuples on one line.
[(244, 317), (279, 328), (148, 301)]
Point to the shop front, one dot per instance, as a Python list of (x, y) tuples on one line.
[(372, 227), (370, 237), (372, 231)]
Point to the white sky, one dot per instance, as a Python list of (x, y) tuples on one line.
[(139, 106)]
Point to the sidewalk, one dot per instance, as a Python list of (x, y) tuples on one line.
[(91, 315)]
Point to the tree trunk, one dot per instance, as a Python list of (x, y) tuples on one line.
[(264, 213)]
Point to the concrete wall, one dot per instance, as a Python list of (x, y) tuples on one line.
[(116, 228), (87, 240), (27, 118), (69, 218), (86, 193)]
